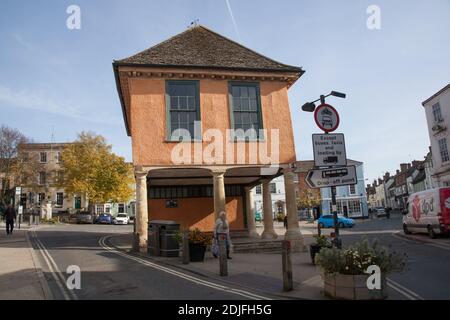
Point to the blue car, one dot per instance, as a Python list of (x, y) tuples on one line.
[(327, 221), (104, 218)]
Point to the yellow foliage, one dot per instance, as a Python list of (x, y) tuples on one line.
[(91, 168)]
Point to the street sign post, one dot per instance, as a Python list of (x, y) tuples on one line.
[(331, 177), (326, 117), (329, 150)]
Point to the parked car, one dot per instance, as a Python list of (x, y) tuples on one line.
[(121, 218), (382, 212), (428, 211), (84, 217), (327, 221), (104, 218), (258, 216)]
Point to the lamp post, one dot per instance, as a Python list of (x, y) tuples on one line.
[(310, 107)]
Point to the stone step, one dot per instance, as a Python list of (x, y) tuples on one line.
[(257, 246), (238, 234)]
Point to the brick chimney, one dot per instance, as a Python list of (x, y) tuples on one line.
[(397, 172), (403, 167), (386, 176), (374, 184), (380, 181), (417, 163)]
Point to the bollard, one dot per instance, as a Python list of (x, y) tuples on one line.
[(223, 255), (185, 247), (319, 230), (287, 265)]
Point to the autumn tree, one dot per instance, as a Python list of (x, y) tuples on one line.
[(14, 165), (307, 200), (92, 169)]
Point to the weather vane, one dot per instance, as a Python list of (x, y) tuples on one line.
[(194, 23)]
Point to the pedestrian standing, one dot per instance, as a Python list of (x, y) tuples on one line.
[(10, 217), (222, 227)]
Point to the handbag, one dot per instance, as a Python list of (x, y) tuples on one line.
[(215, 248)]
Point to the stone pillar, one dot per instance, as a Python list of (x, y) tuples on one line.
[(293, 230), (219, 192), (141, 218), (269, 231), (251, 226)]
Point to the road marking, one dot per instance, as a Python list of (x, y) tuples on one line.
[(421, 241), (180, 274), (55, 272), (411, 295)]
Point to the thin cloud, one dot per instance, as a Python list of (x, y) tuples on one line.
[(40, 101), (18, 38), (230, 11)]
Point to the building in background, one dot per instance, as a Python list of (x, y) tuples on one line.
[(351, 200), (44, 186), (277, 194), (437, 112)]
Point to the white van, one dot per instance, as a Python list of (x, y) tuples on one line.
[(428, 211)]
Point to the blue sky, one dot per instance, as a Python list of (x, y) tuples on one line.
[(61, 80)]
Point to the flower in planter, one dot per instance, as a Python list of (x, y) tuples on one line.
[(196, 237), (355, 259), (322, 241)]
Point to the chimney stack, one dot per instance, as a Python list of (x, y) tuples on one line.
[(397, 172), (380, 181), (386, 176), (403, 167)]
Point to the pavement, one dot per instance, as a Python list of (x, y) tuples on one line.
[(20, 275), (258, 271), (42, 256)]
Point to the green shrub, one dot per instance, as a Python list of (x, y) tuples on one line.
[(357, 258)]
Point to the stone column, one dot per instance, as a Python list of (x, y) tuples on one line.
[(293, 230), (251, 226), (141, 217), (219, 192), (269, 231)]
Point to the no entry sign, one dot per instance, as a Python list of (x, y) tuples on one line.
[(326, 117)]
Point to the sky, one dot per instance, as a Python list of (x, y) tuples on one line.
[(54, 80)]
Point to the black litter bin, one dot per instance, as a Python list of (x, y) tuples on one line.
[(161, 241)]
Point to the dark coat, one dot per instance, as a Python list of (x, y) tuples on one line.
[(10, 214)]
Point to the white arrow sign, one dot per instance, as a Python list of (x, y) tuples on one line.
[(339, 176), (329, 150)]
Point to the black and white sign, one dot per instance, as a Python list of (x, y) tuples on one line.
[(326, 117), (18, 191), (339, 176), (329, 150)]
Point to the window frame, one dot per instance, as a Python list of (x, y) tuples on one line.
[(169, 137), (436, 110), (43, 153), (350, 186), (234, 138), (446, 150), (57, 198)]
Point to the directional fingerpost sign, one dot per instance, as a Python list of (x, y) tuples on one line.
[(326, 117), (329, 150), (339, 176)]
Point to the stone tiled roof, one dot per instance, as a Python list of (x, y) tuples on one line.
[(199, 47)]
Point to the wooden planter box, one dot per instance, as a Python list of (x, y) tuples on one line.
[(352, 287)]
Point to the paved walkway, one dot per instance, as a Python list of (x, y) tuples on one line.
[(261, 271), (19, 276)]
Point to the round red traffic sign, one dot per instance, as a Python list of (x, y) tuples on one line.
[(326, 117)]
